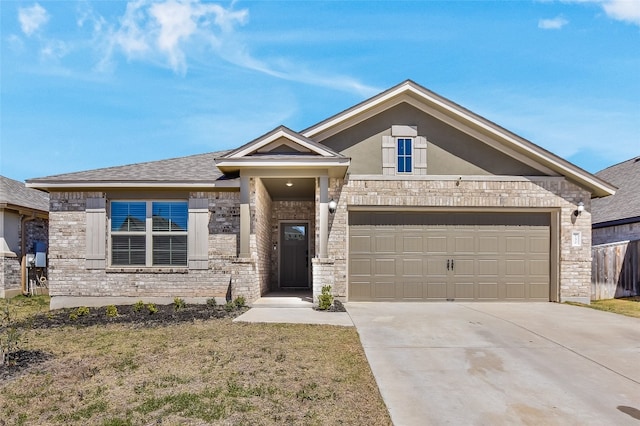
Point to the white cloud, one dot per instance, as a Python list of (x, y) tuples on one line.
[(32, 18), (552, 24), (623, 10), (166, 31), (620, 10)]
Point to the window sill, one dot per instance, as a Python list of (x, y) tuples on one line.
[(145, 270)]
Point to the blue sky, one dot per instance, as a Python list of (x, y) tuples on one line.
[(90, 84)]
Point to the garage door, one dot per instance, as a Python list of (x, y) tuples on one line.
[(449, 256)]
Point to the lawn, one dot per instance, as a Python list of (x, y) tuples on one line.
[(629, 306), (200, 372)]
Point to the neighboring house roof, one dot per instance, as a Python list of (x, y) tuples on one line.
[(465, 121), (195, 170), (624, 206), (14, 194)]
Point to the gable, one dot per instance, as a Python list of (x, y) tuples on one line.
[(283, 149), (449, 151), (465, 121)]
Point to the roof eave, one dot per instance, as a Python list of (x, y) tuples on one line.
[(58, 185)]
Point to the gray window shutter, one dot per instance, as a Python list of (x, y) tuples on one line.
[(388, 155), (96, 233), (420, 155), (198, 233)]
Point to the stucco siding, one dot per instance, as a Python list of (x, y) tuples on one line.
[(449, 151)]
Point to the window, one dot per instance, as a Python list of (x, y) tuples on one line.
[(405, 156), (149, 233)]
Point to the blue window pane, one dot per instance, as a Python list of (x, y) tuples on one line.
[(404, 155), (170, 216), (128, 216)]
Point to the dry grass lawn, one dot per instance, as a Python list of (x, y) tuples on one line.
[(204, 372), (629, 306)]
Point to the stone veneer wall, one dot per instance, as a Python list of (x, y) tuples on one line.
[(68, 277), (613, 234), (9, 276), (303, 211), (555, 193), (262, 229)]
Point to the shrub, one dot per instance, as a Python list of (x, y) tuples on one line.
[(152, 308), (112, 311), (212, 302), (229, 306), (178, 303), (11, 336), (325, 299), (138, 306), (240, 301), (80, 311)]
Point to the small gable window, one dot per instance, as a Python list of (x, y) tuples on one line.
[(405, 155), (149, 233)]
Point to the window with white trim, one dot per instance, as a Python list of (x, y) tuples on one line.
[(404, 155), (149, 233)]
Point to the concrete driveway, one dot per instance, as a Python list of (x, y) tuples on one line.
[(502, 363)]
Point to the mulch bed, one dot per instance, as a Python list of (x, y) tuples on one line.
[(127, 314)]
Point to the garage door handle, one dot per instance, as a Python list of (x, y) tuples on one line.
[(447, 264), (452, 264)]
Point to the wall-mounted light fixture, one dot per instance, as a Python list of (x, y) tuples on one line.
[(579, 210), (289, 183), (332, 206)]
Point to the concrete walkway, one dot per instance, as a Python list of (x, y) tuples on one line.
[(502, 363), (291, 308)]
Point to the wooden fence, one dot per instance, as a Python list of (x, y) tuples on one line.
[(615, 270)]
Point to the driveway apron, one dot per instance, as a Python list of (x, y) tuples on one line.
[(502, 363)]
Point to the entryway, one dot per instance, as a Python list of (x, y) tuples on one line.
[(294, 256)]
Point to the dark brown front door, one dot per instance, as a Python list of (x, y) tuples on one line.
[(294, 255)]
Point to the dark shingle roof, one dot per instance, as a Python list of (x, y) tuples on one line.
[(198, 168), (625, 203), (15, 193)]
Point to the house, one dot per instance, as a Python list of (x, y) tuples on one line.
[(405, 196), (23, 229), (617, 217), (616, 234)]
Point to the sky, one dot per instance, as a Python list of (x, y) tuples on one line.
[(91, 84)]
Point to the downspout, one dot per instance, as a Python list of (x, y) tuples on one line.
[(23, 249)]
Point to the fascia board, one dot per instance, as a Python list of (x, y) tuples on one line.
[(311, 162), (92, 184), (280, 133)]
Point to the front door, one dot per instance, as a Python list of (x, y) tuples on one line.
[(294, 255)]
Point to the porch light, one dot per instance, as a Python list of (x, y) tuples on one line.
[(579, 210), (332, 206), (289, 183)]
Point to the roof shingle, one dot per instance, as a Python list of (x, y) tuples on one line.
[(625, 203), (192, 169), (15, 193)]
